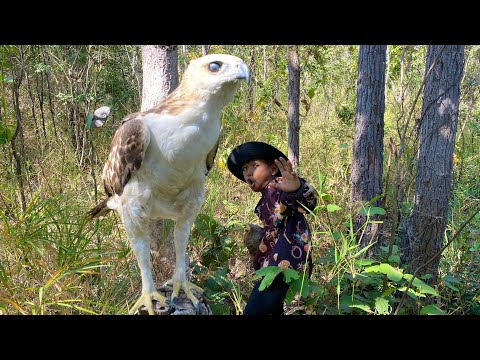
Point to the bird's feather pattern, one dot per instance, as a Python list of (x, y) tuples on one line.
[(126, 155), (159, 159)]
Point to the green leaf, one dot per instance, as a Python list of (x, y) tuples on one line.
[(370, 211), (431, 310), (269, 273), (311, 93), (365, 308), (364, 262), (89, 120), (387, 269), (449, 280), (333, 207), (394, 259), (344, 146), (373, 268), (206, 226), (326, 197), (295, 288), (6, 134), (392, 273), (290, 275), (382, 307), (412, 293), (451, 287), (422, 287)]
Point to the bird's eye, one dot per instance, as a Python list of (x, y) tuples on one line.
[(214, 66)]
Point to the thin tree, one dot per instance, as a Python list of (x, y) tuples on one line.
[(205, 49), (293, 106), (160, 78), (367, 162), (425, 227)]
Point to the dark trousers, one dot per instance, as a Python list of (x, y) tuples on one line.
[(270, 300)]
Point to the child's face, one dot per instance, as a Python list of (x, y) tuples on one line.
[(257, 174)]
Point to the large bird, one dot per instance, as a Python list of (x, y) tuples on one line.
[(158, 164)]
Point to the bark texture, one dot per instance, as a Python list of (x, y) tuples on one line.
[(293, 107), (425, 228), (367, 163)]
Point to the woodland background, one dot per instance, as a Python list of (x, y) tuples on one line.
[(52, 262)]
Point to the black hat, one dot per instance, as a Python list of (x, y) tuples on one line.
[(252, 150)]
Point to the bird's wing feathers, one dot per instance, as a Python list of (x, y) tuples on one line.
[(211, 156), (127, 151)]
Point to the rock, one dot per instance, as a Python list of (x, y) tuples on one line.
[(183, 305), (252, 236)]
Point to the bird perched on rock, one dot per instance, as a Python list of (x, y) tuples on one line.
[(159, 160)]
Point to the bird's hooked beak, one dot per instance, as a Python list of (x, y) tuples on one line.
[(243, 73)]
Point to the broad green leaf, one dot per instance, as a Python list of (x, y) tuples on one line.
[(290, 275), (422, 287), (333, 207), (344, 146), (394, 249), (89, 120), (206, 226), (451, 279), (365, 308), (431, 310), (395, 259), (370, 211), (326, 197), (450, 286), (364, 262), (269, 273), (382, 307), (373, 268), (392, 273), (412, 293), (387, 269), (388, 291)]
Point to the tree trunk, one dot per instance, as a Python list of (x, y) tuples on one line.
[(17, 140), (251, 84), (367, 162), (160, 73), (425, 228), (205, 49), (160, 78), (293, 106)]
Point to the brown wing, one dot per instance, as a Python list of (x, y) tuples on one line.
[(211, 156), (126, 155)]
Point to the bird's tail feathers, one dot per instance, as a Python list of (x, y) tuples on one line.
[(100, 210)]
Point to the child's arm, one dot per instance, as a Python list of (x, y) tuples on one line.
[(296, 191), (304, 195)]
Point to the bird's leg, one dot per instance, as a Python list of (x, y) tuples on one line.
[(179, 280), (140, 243)]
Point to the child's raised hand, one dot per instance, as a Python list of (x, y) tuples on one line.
[(289, 181)]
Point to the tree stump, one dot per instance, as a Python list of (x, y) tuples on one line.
[(183, 305)]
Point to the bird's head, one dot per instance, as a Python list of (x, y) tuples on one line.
[(216, 75)]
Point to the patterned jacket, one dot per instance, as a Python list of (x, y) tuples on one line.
[(287, 234)]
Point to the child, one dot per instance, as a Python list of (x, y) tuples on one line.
[(266, 170)]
